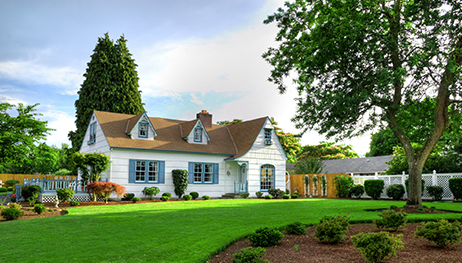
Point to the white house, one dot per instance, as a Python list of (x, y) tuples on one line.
[(242, 157)]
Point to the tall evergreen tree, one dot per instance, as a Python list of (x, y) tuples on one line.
[(111, 84)]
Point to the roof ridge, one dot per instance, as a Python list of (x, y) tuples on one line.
[(232, 139)]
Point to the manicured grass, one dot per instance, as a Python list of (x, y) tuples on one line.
[(170, 231)]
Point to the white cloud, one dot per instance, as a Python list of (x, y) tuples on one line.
[(60, 121), (11, 100), (66, 78), (196, 100)]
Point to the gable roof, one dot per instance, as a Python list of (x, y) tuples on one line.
[(367, 165), (132, 122), (187, 128), (234, 140)]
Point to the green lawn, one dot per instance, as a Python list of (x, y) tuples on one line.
[(170, 231)]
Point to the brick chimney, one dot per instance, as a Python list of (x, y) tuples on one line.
[(206, 118)]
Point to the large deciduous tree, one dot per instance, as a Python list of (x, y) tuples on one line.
[(327, 151), (359, 63), (111, 84)]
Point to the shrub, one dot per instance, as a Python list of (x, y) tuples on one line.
[(206, 197), (441, 233), (250, 255), (265, 237), (357, 190), (187, 197), (136, 199), (391, 220), (406, 184), (9, 188), (105, 190), (11, 182), (128, 196), (455, 185), (374, 188), (63, 171), (74, 203), (287, 191), (436, 192), (245, 195), (65, 194), (377, 246), (276, 193), (268, 197), (39, 208), (180, 181), (395, 191), (342, 185), (286, 196), (296, 228), (167, 194), (294, 195), (332, 229), (393, 207), (3, 189), (150, 191), (11, 213), (194, 195), (29, 191), (15, 205), (259, 194)]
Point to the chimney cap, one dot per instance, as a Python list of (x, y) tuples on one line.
[(204, 112)]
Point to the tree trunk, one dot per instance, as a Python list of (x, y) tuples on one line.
[(414, 195)]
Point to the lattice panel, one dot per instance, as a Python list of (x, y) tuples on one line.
[(428, 181), (443, 181)]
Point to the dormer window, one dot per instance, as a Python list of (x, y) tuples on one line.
[(268, 140), (143, 130), (92, 138), (198, 134)]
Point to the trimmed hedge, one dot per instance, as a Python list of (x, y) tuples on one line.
[(455, 185), (395, 191), (374, 188)]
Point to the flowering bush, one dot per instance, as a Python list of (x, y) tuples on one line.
[(13, 197), (105, 190)]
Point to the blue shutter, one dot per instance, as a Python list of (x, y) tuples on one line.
[(161, 179), (191, 172), (215, 173), (131, 171)]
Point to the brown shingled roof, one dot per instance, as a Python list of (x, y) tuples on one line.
[(234, 140)]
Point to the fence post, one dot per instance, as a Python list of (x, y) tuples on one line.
[(376, 175), (434, 178)]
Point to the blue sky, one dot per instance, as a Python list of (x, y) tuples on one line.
[(191, 55)]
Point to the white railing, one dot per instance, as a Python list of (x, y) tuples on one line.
[(430, 179)]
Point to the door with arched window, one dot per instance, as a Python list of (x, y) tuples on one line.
[(266, 177)]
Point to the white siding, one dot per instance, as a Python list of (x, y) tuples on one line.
[(101, 145), (191, 136)]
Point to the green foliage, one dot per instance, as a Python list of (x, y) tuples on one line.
[(11, 182), (328, 150), (391, 220), (205, 197), (406, 184), (15, 205), (169, 195), (187, 197), (342, 186), (65, 194), (3, 189), (166, 196), (357, 190), (377, 246), (29, 191), (259, 194), (275, 193), (441, 233), (63, 171), (110, 84), (150, 191), (136, 199), (194, 195), (296, 228), (310, 165), (436, 192), (286, 196), (455, 185), (332, 228), (10, 188), (268, 197), (290, 142), (11, 213), (395, 191), (180, 181), (265, 237), (226, 123), (91, 165), (294, 195), (74, 203), (374, 188), (128, 196), (250, 255), (39, 208), (245, 195)]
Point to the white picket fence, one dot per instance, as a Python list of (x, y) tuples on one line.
[(430, 179)]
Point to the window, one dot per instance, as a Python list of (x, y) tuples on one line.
[(143, 130), (146, 171), (203, 173), (92, 138), (198, 134), (266, 177), (268, 137)]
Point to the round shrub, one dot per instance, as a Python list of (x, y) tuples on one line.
[(65, 194), (245, 195), (194, 195), (15, 205), (296, 228), (436, 192), (29, 191), (391, 220), (39, 208), (3, 189), (128, 196), (74, 203), (10, 188), (395, 191), (206, 197), (150, 191), (294, 195), (250, 255), (377, 246), (165, 198), (286, 196), (11, 213), (276, 193), (332, 229), (268, 197), (265, 237), (11, 182), (136, 199), (187, 197), (374, 188), (357, 190), (259, 194), (441, 233), (169, 195), (455, 185)]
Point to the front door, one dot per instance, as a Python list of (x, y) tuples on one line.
[(242, 179)]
